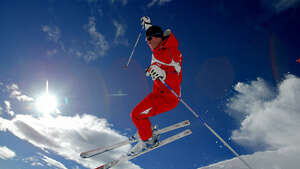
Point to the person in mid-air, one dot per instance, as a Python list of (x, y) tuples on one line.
[(166, 65)]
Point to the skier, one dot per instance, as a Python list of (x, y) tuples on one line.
[(165, 66)]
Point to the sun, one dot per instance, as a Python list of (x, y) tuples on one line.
[(46, 103)]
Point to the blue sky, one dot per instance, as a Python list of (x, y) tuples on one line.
[(239, 73)]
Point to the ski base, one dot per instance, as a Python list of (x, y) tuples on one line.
[(162, 143), (131, 140)]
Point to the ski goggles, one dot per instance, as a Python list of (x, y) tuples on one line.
[(148, 38)]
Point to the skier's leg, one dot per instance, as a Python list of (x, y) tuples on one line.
[(150, 106), (140, 117)]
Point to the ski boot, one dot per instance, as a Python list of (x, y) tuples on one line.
[(144, 145)]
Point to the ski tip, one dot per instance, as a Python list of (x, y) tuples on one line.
[(188, 131), (101, 167), (187, 122), (83, 155)]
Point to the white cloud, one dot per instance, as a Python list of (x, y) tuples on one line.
[(68, 136), (52, 52), (34, 161), (76, 167), (53, 33), (13, 87), (43, 160), (98, 41), (51, 162), (4, 124), (90, 56), (94, 48), (119, 93), (249, 97), (120, 29), (279, 5), (124, 2), (158, 2), (285, 4), (92, 1), (17, 94), (151, 3), (6, 153), (270, 118), (273, 122), (100, 12), (37, 164), (8, 108)]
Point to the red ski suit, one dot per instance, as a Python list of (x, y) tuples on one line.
[(167, 57)]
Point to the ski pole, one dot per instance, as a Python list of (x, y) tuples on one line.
[(206, 125), (136, 42)]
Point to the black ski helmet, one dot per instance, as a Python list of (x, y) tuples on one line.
[(155, 31)]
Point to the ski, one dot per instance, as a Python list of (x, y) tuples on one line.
[(161, 143), (131, 140)]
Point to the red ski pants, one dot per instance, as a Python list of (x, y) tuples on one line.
[(151, 105)]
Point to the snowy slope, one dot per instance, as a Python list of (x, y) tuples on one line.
[(287, 158)]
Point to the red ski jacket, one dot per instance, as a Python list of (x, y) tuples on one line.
[(168, 57)]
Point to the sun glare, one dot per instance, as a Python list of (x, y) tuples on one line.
[(46, 103)]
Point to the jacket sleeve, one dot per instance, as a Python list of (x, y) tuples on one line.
[(175, 54)]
